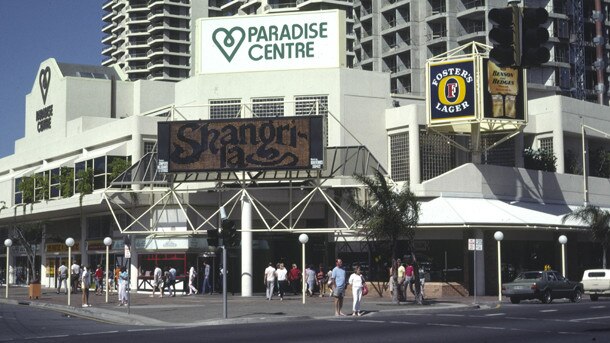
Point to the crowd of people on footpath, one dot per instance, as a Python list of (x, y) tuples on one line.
[(402, 280), (278, 278), (81, 278)]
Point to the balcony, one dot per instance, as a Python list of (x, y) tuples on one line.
[(308, 4), (468, 4), (108, 5), (108, 28)]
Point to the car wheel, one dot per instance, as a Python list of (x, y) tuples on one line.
[(546, 297), (594, 297), (515, 300), (577, 296)]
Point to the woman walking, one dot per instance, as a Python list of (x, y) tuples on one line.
[(192, 275), (356, 280), (282, 279), (123, 280)]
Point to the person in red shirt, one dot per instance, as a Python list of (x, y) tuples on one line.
[(409, 280), (99, 280), (294, 276)]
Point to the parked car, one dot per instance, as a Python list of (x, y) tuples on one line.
[(542, 285), (596, 283)]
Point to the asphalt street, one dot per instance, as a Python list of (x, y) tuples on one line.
[(560, 321)]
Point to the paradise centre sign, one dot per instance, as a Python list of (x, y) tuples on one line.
[(241, 144), (271, 42)]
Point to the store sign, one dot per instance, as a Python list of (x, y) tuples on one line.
[(44, 115), (61, 247), (452, 90), (241, 144), (272, 42), (166, 243)]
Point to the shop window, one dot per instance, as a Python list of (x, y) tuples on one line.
[(226, 108), (268, 107), (399, 156)]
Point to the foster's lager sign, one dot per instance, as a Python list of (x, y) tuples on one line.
[(452, 90)]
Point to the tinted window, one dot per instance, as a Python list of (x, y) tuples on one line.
[(597, 274), (530, 276)]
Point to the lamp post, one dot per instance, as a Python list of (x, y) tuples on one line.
[(70, 244), (499, 236), (107, 243), (563, 240), (7, 243), (303, 238)]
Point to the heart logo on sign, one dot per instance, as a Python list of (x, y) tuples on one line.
[(44, 79), (231, 41)]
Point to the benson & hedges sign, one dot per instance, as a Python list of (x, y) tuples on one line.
[(241, 144)]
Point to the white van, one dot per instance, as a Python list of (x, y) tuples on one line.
[(596, 283)]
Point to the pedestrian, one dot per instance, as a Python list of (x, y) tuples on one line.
[(192, 281), (62, 271), (310, 278), (206, 286), (356, 280), (282, 277), (277, 283), (170, 277), (123, 282), (99, 280), (294, 276), (117, 273), (75, 276), (321, 280), (86, 283), (401, 281), (338, 281), (409, 280), (269, 281), (157, 281)]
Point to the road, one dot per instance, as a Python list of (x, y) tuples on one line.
[(529, 321)]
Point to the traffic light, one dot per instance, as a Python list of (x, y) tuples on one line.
[(533, 37), (213, 237), (504, 36), (230, 236)]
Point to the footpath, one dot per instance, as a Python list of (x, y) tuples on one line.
[(197, 310)]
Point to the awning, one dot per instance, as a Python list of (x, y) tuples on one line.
[(18, 173), (445, 212), (118, 149), (63, 162)]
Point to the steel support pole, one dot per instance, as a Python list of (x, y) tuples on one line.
[(303, 271), (7, 274), (499, 273), (106, 274), (69, 274)]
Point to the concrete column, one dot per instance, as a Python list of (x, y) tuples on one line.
[(480, 264), (558, 147), (84, 258), (414, 157), (133, 282), (246, 247), (44, 277)]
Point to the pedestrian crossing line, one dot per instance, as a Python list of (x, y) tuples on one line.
[(495, 314), (545, 311), (601, 306)]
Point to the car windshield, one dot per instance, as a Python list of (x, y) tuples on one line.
[(530, 276)]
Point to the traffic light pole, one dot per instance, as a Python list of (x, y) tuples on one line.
[(516, 31), (224, 282)]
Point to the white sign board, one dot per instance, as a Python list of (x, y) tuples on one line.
[(475, 244), (300, 40)]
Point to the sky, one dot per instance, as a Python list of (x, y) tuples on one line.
[(32, 31)]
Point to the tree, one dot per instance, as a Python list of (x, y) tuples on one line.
[(388, 217), (598, 221), (540, 159)]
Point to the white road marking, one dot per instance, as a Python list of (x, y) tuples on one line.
[(590, 318), (450, 315), (447, 325), (602, 306), (521, 318), (485, 327), (371, 321), (495, 314), (544, 311), (408, 323)]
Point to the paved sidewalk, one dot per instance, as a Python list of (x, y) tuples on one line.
[(208, 309)]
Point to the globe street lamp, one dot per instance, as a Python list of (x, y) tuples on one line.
[(303, 238), (70, 244), (107, 243), (7, 243), (499, 236), (563, 240)]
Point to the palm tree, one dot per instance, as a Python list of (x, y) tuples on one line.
[(390, 216), (598, 221)]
